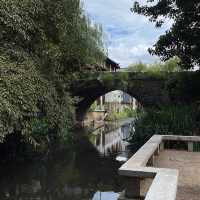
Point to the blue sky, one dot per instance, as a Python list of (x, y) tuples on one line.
[(128, 35)]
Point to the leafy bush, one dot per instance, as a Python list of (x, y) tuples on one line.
[(172, 120), (184, 87), (25, 97), (42, 42)]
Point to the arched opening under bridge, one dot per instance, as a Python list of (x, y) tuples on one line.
[(112, 106)]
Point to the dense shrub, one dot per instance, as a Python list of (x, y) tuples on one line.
[(172, 120), (184, 87), (25, 97)]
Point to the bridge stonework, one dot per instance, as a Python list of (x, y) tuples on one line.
[(148, 89)]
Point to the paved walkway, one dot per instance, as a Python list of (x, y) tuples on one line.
[(188, 164)]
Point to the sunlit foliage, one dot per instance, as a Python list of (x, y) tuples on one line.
[(42, 42), (172, 65)]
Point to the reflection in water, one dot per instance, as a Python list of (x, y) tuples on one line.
[(111, 139), (82, 174), (105, 196)]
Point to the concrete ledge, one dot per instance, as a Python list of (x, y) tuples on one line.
[(141, 172), (165, 181), (181, 138), (164, 186), (142, 156)]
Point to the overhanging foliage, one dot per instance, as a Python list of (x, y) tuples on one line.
[(183, 38)]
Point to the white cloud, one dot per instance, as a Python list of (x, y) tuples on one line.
[(129, 35)]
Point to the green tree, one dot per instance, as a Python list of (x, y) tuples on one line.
[(182, 40), (57, 34), (42, 42), (138, 67), (172, 65)]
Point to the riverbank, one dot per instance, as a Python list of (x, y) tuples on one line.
[(126, 113)]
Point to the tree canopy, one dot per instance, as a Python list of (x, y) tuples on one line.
[(172, 65), (183, 38), (41, 43), (57, 34)]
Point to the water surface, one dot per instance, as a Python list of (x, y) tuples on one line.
[(87, 172)]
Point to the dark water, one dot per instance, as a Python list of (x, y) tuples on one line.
[(87, 172)]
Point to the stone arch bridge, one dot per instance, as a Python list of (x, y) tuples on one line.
[(148, 88)]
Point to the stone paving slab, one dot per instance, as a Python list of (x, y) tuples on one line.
[(188, 164)]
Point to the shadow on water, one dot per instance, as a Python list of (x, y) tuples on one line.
[(88, 171)]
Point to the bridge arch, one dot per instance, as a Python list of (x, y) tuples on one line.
[(86, 103), (147, 89)]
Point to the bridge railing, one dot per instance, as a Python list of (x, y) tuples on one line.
[(140, 167)]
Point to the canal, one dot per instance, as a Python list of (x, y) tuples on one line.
[(87, 172)]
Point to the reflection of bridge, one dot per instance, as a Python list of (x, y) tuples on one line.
[(112, 142)]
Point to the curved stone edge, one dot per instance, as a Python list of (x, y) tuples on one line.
[(165, 181)]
